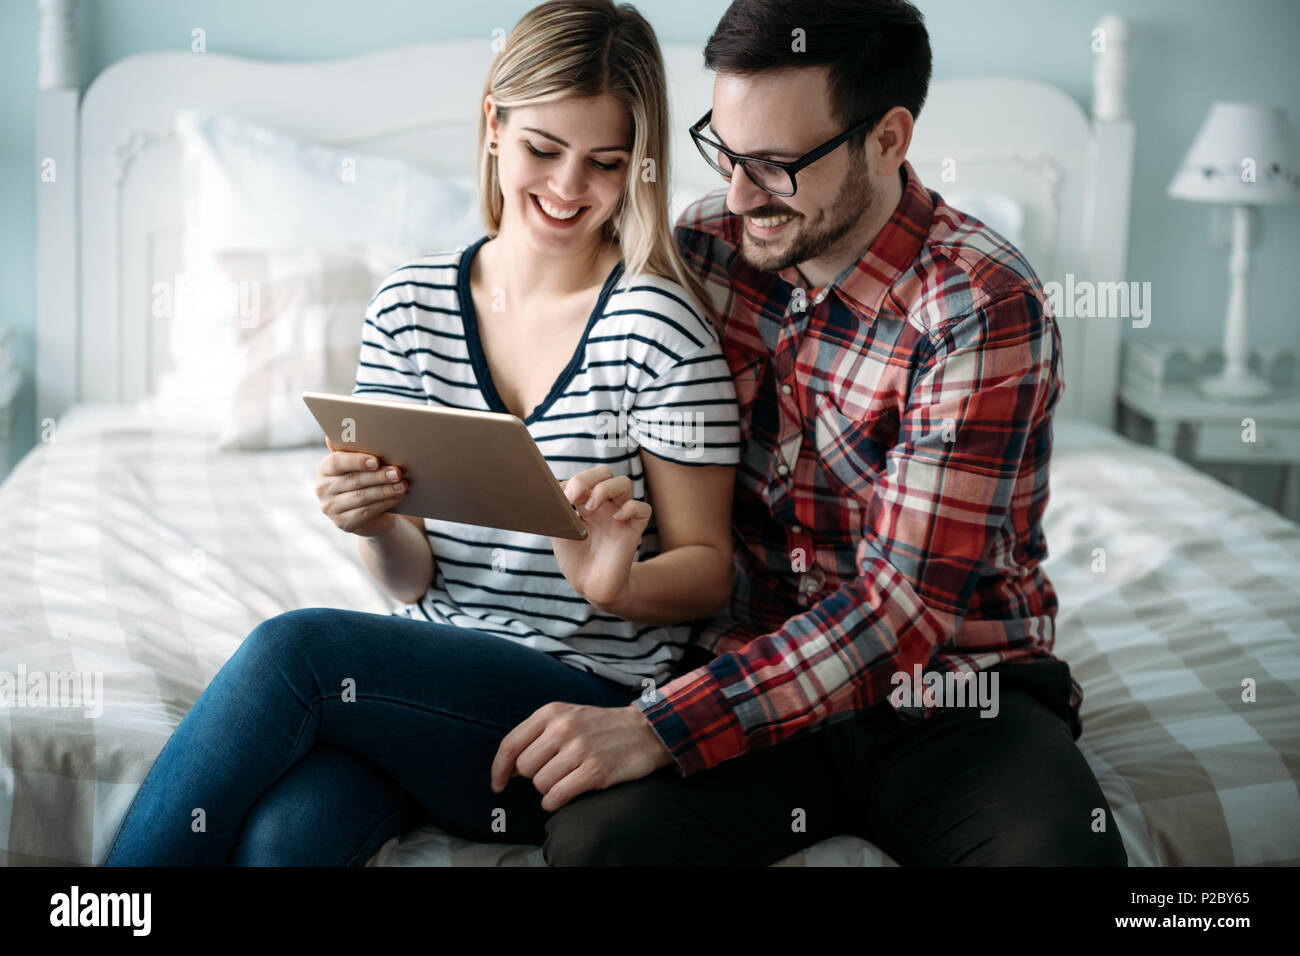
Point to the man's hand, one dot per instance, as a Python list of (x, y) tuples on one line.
[(568, 749)]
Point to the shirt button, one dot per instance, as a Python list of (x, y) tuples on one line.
[(781, 469), (786, 389), (797, 529), (803, 600), (812, 580)]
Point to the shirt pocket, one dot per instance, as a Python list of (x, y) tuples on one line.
[(851, 453)]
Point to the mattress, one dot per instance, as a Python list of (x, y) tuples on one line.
[(134, 549)]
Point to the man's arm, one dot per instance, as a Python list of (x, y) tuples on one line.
[(990, 379)]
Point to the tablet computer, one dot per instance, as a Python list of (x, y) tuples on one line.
[(480, 468)]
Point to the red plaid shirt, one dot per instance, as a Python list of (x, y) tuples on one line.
[(896, 428)]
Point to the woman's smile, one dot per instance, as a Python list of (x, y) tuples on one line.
[(555, 214)]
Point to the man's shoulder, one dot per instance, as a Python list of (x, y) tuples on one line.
[(972, 289), (994, 265), (707, 222), (965, 267)]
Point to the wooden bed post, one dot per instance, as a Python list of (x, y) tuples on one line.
[(57, 262), (1107, 212)]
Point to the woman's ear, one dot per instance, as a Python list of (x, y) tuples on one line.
[(490, 110)]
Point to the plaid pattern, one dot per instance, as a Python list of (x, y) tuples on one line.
[(896, 430)]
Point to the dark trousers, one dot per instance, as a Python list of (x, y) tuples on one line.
[(957, 789)]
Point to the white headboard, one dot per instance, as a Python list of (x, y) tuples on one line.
[(108, 227)]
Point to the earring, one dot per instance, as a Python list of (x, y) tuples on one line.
[(492, 146)]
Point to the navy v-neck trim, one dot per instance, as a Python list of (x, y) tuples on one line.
[(478, 360)]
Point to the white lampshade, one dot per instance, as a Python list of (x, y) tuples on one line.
[(1214, 168)]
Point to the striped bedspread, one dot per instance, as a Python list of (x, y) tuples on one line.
[(136, 557)]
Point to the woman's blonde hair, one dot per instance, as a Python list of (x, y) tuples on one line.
[(583, 48)]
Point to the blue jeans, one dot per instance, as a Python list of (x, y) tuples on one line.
[(330, 731)]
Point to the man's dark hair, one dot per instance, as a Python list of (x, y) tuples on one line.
[(878, 51)]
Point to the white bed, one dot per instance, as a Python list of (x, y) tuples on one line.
[(141, 550), (136, 553)]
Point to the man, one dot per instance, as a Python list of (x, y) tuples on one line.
[(897, 369)]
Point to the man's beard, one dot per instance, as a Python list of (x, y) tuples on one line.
[(812, 239)]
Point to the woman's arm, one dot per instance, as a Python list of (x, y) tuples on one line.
[(400, 559), (691, 575)]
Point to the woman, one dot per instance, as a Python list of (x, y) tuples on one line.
[(330, 731)]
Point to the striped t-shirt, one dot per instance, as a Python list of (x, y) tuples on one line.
[(648, 375)]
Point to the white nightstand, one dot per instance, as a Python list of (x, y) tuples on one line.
[(1159, 403)]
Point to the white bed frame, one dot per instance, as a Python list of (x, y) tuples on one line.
[(108, 226)]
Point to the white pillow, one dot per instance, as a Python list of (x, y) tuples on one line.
[(305, 334), (248, 187)]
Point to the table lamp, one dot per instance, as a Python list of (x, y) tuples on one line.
[(1245, 156)]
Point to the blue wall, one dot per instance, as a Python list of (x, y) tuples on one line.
[(1187, 54)]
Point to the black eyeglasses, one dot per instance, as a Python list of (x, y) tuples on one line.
[(767, 174)]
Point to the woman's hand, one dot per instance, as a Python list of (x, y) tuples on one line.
[(600, 565), (357, 498)]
